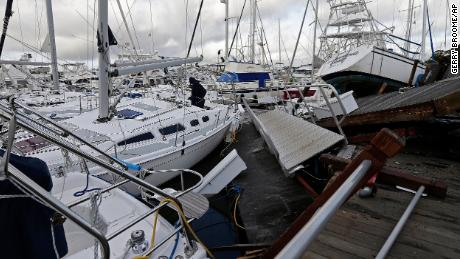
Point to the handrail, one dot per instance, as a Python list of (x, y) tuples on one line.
[(118, 184), (32, 187), (328, 103), (399, 226), (311, 230), (66, 131), (89, 157)]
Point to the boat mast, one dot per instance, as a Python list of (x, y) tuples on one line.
[(226, 30), (298, 39), (54, 66), (104, 60), (279, 41), (6, 20), (410, 11), (422, 50), (253, 31), (314, 42)]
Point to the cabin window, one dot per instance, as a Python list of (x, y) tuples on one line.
[(138, 138), (194, 123), (205, 118), (172, 129)]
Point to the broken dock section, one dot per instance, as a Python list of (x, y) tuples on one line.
[(292, 140)]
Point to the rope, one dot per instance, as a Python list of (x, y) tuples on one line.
[(54, 241), (264, 35), (194, 29), (176, 242), (85, 190), (12, 196), (186, 225), (95, 201), (234, 211), (236, 30)]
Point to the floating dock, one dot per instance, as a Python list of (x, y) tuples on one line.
[(291, 139)]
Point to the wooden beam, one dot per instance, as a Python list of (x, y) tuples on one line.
[(385, 144), (394, 176), (307, 187)]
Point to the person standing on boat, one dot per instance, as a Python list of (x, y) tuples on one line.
[(198, 93)]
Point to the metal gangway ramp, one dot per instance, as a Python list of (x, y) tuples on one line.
[(292, 140)]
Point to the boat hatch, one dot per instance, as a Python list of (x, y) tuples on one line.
[(128, 114), (172, 129), (138, 138)]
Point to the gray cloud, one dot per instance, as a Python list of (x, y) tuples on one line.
[(172, 29)]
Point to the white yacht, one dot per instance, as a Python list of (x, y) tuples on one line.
[(356, 53)]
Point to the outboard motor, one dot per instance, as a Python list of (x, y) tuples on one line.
[(29, 229)]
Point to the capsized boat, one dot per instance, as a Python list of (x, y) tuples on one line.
[(356, 54)]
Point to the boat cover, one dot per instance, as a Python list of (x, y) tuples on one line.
[(25, 224)]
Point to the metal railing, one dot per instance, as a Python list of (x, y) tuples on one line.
[(56, 134), (304, 238), (328, 103)]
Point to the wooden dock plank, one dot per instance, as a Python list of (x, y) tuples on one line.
[(361, 226)]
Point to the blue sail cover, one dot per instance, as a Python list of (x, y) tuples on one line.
[(228, 77)]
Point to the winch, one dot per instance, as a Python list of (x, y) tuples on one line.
[(138, 243)]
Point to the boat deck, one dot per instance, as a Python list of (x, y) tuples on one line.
[(361, 226)]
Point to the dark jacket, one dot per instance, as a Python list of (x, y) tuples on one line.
[(198, 94)]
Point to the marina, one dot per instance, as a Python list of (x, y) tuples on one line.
[(233, 129)]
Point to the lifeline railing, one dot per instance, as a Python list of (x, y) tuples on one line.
[(55, 133), (311, 230), (328, 103)]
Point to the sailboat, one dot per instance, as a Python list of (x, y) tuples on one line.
[(100, 220), (356, 56), (93, 217), (145, 132)]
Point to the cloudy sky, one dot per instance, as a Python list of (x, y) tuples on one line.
[(166, 25)]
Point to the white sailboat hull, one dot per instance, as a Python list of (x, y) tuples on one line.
[(372, 62), (179, 157)]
